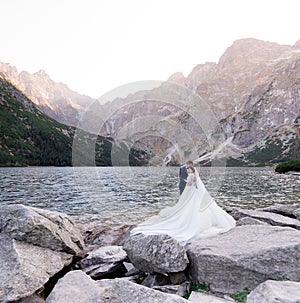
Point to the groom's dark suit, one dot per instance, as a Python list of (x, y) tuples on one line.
[(183, 174)]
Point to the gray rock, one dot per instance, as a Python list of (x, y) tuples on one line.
[(249, 221), (131, 270), (105, 270), (179, 290), (31, 299), (245, 257), (267, 217), (24, 267), (104, 261), (275, 292), (200, 297), (156, 253), (177, 277), (289, 210), (122, 291), (156, 280), (103, 255), (44, 228), (77, 287)]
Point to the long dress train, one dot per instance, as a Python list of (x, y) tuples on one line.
[(195, 216)]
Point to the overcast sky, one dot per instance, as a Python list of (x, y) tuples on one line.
[(96, 45)]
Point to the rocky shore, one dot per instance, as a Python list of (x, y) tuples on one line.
[(46, 257)]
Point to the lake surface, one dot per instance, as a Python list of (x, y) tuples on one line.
[(118, 195)]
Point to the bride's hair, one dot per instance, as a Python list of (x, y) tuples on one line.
[(192, 169)]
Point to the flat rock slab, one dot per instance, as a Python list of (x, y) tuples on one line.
[(245, 257), (179, 290), (123, 291), (104, 261), (267, 217), (24, 267), (156, 253), (200, 297), (289, 210), (250, 221), (275, 292), (103, 255), (77, 287), (102, 271), (49, 229)]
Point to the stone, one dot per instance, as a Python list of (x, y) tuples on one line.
[(156, 253), (156, 280), (106, 270), (249, 221), (31, 299), (104, 254), (200, 297), (288, 210), (179, 290), (275, 292), (245, 257), (24, 268), (267, 217), (77, 287), (131, 270), (104, 261), (48, 229), (102, 234), (177, 277), (123, 291)]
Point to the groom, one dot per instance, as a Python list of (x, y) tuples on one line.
[(183, 174)]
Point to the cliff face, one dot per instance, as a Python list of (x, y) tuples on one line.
[(56, 100), (254, 93)]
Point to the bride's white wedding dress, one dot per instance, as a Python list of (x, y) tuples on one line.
[(195, 216)]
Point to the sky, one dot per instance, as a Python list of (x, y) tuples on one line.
[(95, 46)]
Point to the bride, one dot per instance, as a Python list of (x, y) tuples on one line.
[(195, 216)]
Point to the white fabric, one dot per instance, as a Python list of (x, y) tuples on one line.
[(195, 216)]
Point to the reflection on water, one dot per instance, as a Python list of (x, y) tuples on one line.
[(128, 195)]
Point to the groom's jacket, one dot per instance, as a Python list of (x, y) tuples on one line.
[(183, 175)]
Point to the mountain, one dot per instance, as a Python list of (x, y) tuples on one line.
[(29, 137), (253, 92), (56, 100)]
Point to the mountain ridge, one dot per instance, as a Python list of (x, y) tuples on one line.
[(253, 91), (55, 99)]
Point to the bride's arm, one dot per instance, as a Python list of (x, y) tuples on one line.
[(189, 180)]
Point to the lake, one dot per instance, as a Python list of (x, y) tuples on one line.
[(126, 195)]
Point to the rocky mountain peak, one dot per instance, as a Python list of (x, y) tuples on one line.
[(177, 77), (55, 99), (248, 51), (297, 44)]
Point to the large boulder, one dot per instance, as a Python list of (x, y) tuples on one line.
[(245, 257), (24, 267), (49, 229), (156, 253), (267, 217), (123, 291), (275, 292), (77, 287)]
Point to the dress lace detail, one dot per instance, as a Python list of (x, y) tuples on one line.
[(191, 180)]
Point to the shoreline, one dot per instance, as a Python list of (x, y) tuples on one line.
[(112, 261)]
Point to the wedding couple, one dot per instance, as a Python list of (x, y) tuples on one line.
[(195, 216)]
